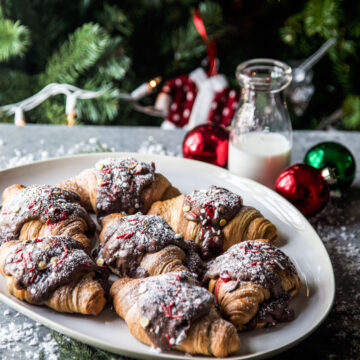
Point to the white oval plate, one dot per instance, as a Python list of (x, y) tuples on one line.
[(298, 240)]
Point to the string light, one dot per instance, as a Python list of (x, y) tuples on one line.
[(19, 117), (72, 94)]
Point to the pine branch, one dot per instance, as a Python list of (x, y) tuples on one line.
[(99, 110), (112, 65), (70, 349), (14, 39), (351, 112), (15, 85), (186, 41), (81, 51), (293, 27), (321, 17), (114, 18)]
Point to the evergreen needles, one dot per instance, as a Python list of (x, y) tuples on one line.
[(116, 46), (70, 349), (14, 39), (76, 55)]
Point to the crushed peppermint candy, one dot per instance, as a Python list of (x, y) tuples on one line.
[(127, 239), (46, 203), (260, 263), (121, 184), (213, 208), (169, 304), (41, 267), (254, 261)]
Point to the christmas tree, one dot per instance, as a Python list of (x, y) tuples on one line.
[(115, 46)]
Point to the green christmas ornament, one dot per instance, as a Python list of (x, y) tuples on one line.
[(335, 159)]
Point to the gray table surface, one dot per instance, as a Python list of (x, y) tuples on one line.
[(338, 225)]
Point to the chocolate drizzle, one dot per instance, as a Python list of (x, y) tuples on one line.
[(46, 203), (273, 311), (127, 239), (213, 208), (258, 262), (121, 183), (169, 304), (43, 264)]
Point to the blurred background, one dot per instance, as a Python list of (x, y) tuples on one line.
[(116, 46)]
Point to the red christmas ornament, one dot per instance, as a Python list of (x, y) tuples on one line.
[(304, 187), (207, 142)]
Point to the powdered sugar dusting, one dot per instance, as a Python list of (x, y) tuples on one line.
[(169, 304), (49, 204), (127, 239), (213, 208), (14, 332), (253, 261), (43, 264), (121, 183), (338, 227)]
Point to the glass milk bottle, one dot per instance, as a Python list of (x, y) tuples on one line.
[(261, 135)]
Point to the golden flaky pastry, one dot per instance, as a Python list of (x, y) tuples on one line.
[(32, 211), (253, 283), (144, 245), (171, 311), (55, 271), (118, 185), (215, 219)]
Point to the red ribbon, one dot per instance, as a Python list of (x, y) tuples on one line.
[(210, 45)]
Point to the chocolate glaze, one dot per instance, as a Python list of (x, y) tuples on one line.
[(169, 304), (43, 264), (46, 203), (121, 183), (273, 311), (213, 208), (257, 262), (127, 239)]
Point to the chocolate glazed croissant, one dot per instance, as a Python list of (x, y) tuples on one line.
[(171, 311), (32, 211), (215, 219), (142, 245), (120, 186), (55, 271), (253, 283)]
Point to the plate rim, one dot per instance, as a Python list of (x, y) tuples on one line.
[(122, 351)]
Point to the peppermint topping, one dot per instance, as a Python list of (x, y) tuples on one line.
[(257, 262), (127, 239), (121, 183), (169, 304), (254, 261), (42, 265), (213, 208), (46, 203)]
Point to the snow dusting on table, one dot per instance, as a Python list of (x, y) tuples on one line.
[(22, 156), (18, 330), (338, 225)]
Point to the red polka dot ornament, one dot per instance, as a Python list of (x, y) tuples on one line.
[(197, 98)]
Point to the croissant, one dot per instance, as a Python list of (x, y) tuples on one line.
[(215, 219), (32, 211), (120, 186), (55, 271), (142, 245), (171, 311), (253, 283)]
